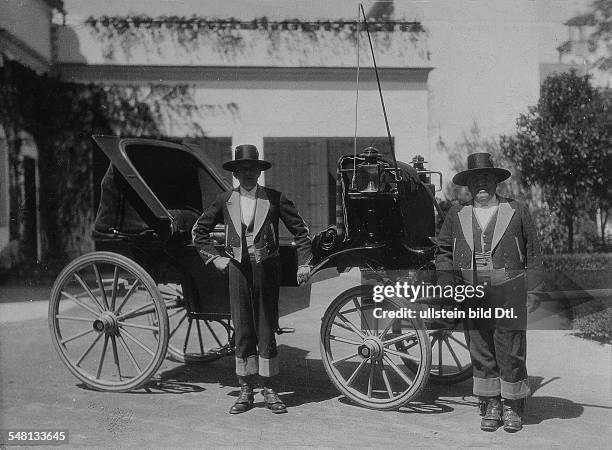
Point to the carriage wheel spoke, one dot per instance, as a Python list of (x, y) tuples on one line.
[(116, 355), (386, 380), (344, 358), (403, 337), (141, 310), (214, 335), (91, 295), (129, 352), (81, 304), (114, 290), (403, 355), (88, 349), (190, 321), (409, 346), (101, 285), (102, 355), (178, 325), (459, 342), (341, 339), (356, 372), (348, 311), (440, 368), (371, 377), (344, 327), (398, 370), (387, 328), (200, 337), (76, 336), (127, 296), (137, 342), (452, 352), (79, 319), (350, 324), (136, 325), (174, 313), (361, 309)]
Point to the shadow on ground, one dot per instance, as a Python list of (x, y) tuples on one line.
[(305, 381)]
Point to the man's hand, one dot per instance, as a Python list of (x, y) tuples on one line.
[(302, 274), (533, 302), (221, 263)]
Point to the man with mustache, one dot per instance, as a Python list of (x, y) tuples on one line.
[(492, 241)]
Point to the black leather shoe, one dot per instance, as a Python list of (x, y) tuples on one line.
[(513, 410), (273, 402), (245, 400), (492, 409)]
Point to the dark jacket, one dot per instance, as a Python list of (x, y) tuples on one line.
[(271, 206), (515, 246)]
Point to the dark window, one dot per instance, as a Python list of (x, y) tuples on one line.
[(176, 178), (29, 241), (218, 150)]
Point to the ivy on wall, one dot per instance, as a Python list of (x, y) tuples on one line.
[(61, 117), (226, 36)]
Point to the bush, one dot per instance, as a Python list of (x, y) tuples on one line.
[(568, 272), (597, 325), (578, 271)]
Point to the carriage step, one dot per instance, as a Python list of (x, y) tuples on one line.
[(285, 330)]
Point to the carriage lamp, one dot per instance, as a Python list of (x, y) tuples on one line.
[(368, 172)]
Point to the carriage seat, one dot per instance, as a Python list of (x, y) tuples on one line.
[(184, 220), (114, 234)]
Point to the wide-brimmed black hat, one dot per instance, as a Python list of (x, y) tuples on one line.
[(246, 153), (479, 163)]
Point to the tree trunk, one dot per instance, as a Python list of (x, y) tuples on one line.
[(569, 220)]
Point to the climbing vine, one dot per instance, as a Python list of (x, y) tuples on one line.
[(230, 38), (61, 117)]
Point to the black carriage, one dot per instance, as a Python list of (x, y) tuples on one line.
[(145, 293)]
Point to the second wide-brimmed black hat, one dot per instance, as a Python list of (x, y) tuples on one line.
[(246, 153), (479, 163)]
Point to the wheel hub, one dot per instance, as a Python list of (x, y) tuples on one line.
[(107, 323), (370, 349)]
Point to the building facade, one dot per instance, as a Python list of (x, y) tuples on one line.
[(283, 75), (26, 37)]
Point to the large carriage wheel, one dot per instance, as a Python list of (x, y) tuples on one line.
[(359, 351), (100, 318), (194, 339)]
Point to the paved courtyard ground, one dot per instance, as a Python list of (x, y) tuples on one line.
[(186, 406)]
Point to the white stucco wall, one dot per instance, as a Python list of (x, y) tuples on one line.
[(318, 113), (485, 56), (300, 107)]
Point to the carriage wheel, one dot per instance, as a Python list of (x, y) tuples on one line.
[(359, 354), (450, 360), (194, 339), (99, 316)]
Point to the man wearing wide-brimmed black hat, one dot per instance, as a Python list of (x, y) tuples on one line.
[(492, 241), (251, 214)]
